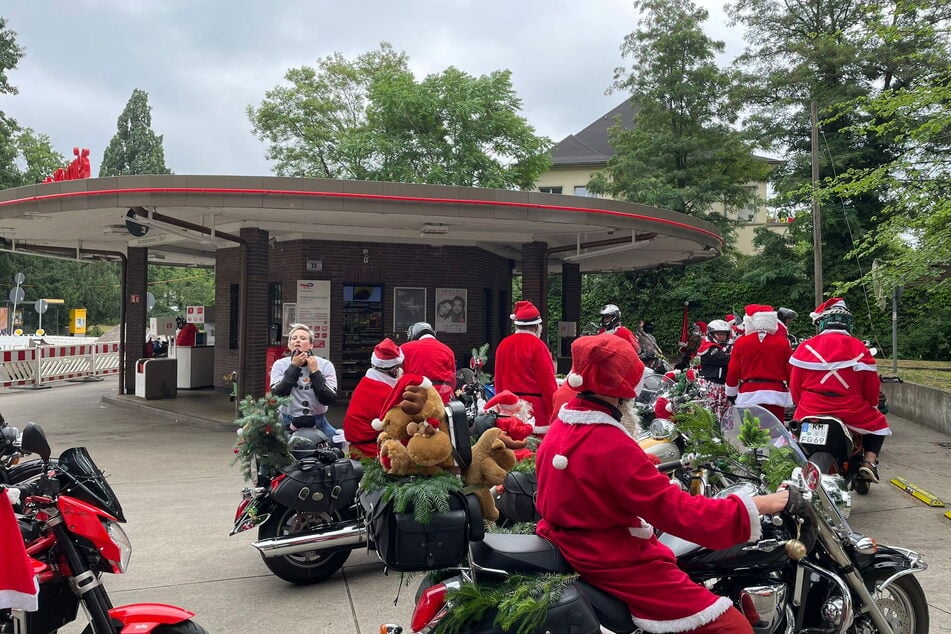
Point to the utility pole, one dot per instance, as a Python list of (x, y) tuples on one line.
[(816, 213)]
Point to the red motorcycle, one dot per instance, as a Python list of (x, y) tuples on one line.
[(71, 527)]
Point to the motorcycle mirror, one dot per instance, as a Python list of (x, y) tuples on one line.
[(662, 429), (34, 441), (811, 476)]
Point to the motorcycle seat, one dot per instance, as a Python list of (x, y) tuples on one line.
[(518, 553)]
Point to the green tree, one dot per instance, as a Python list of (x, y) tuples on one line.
[(135, 148), (176, 287), (37, 155), (10, 55), (370, 119), (683, 152)]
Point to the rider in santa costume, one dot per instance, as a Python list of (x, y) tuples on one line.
[(511, 415), (18, 586), (759, 364), (386, 366), (429, 357), (834, 374), (600, 497), (523, 364)]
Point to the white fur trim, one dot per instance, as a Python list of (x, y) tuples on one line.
[(756, 530), (575, 380), (382, 377), (426, 384), (588, 417), (385, 363), (20, 600), (644, 531), (759, 322), (763, 397), (540, 429), (707, 615), (560, 462), (377, 424), (732, 390)]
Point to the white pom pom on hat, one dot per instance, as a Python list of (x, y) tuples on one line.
[(377, 424), (560, 462), (575, 380)]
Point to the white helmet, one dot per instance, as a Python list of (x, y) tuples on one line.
[(718, 325)]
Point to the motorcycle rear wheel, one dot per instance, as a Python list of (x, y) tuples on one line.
[(302, 568), (903, 604), (185, 627), (825, 461)]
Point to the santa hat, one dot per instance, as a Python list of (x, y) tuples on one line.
[(526, 314), (663, 408), (505, 402), (760, 318), (396, 396), (828, 305), (730, 319), (386, 355), (18, 587), (701, 326), (606, 365)]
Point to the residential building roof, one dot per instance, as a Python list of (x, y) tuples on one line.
[(591, 146)]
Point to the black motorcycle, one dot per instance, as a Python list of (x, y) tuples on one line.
[(809, 572)]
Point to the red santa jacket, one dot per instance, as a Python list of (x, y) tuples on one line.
[(626, 335), (759, 369), (834, 374), (429, 357), (599, 496), (368, 397), (523, 365)]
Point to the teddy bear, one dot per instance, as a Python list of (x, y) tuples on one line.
[(491, 462), (511, 414), (412, 438)]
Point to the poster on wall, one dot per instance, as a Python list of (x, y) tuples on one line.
[(288, 316), (409, 306), (451, 310), (313, 309)]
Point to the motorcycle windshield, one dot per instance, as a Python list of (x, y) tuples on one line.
[(85, 481), (779, 436)]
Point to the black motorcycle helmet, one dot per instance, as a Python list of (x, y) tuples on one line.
[(610, 317), (786, 315), (305, 442), (419, 329)]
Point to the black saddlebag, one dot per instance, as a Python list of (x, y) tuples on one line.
[(406, 545), (517, 502), (316, 486)]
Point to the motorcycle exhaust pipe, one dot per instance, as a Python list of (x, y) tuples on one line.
[(353, 535)]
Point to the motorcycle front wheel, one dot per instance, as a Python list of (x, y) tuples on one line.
[(902, 603), (301, 568)]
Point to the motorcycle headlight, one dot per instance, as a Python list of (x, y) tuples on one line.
[(122, 544)]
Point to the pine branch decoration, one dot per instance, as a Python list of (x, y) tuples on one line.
[(525, 466), (424, 494), (523, 602), (261, 434)]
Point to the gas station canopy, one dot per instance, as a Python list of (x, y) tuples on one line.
[(183, 219)]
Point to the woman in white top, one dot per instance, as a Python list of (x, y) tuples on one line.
[(309, 380)]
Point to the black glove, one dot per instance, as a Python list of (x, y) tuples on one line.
[(796, 505)]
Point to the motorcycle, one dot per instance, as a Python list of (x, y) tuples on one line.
[(308, 514), (311, 501), (809, 572), (71, 528), (12, 469), (833, 447)]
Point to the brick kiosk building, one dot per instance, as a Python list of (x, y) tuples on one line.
[(266, 235)]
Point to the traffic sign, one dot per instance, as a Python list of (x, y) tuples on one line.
[(17, 295), (41, 305), (19, 278)]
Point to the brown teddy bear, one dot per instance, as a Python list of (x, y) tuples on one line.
[(412, 439), (491, 462)]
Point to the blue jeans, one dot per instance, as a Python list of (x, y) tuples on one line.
[(322, 424)]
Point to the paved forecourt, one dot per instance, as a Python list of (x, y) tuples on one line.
[(173, 474)]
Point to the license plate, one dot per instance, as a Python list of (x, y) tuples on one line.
[(814, 433)]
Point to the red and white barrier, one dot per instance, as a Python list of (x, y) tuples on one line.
[(40, 366)]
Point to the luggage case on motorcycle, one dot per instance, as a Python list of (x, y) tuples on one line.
[(517, 502), (313, 485), (405, 545), (572, 613)]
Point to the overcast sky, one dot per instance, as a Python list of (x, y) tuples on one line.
[(202, 62)]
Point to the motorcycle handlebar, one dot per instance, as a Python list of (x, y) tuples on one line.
[(669, 466)]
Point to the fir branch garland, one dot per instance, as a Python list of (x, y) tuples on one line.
[(425, 495), (525, 466), (522, 603), (261, 434)]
